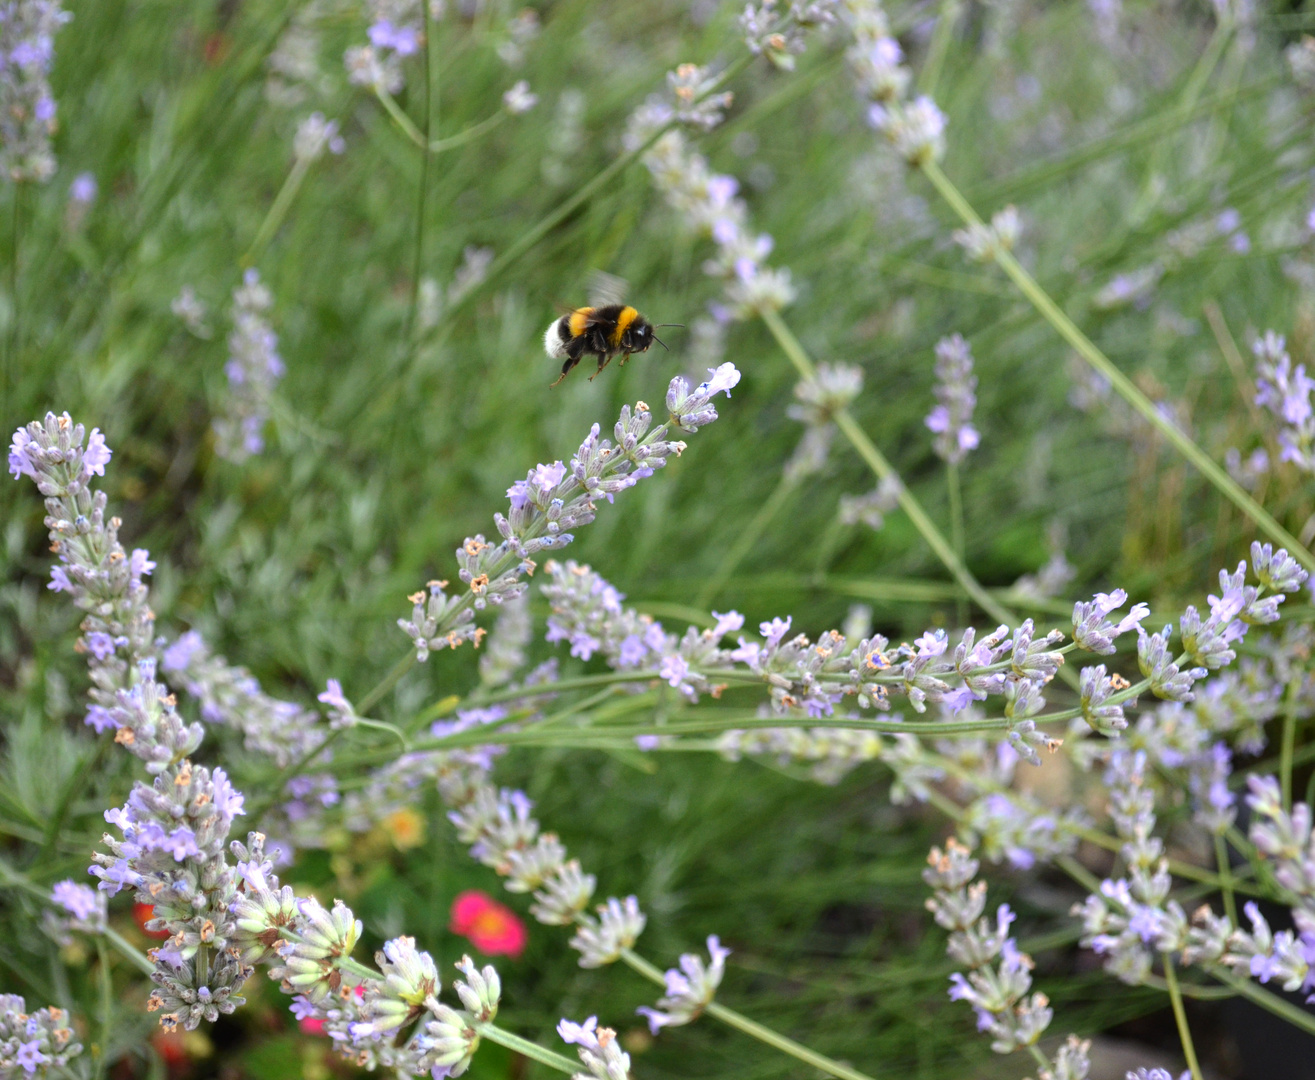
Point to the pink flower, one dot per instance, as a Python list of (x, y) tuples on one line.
[(493, 928)]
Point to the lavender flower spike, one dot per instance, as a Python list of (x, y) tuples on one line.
[(951, 419), (551, 501), (98, 574), (689, 990), (27, 109), (254, 369)]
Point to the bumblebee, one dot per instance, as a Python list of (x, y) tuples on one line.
[(606, 328)]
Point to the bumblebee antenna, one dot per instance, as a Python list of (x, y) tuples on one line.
[(661, 324), (660, 341)]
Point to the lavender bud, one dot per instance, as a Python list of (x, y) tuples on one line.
[(563, 896), (1092, 628), (598, 1049), (192, 310), (42, 1039), (696, 105), (916, 129), (479, 991), (528, 868), (600, 941), (1153, 659), (448, 1042), (314, 136), (830, 390), (689, 989), (982, 243), (1071, 1061), (519, 100), (410, 980), (1276, 570), (691, 410), (1095, 687)]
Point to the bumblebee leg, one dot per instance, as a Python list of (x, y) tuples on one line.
[(571, 361), (603, 361), (622, 361)]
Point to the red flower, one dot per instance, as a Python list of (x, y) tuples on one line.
[(144, 913), (493, 928)]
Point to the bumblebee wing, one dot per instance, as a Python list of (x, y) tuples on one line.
[(605, 288)]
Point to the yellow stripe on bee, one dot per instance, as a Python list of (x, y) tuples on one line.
[(578, 321), (623, 321)]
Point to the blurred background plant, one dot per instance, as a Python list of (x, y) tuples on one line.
[(315, 349)]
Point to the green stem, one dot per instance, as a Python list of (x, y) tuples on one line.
[(1124, 386), (471, 133), (278, 210), (752, 1028), (529, 1049), (749, 536), (956, 531), (383, 725), (1180, 1017), (1226, 878), (128, 951), (400, 118)]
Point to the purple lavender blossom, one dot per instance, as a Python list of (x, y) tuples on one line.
[(951, 419), (27, 109), (254, 368), (1285, 391)]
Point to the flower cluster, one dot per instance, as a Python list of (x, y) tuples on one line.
[(772, 31), (1285, 391), (27, 108), (915, 128), (396, 32), (871, 508), (1285, 957), (982, 243), (818, 400), (997, 991), (314, 136), (689, 989), (598, 1049), (708, 201), (42, 1039), (951, 419), (85, 910), (254, 368), (550, 502)]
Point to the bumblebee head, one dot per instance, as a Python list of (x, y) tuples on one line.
[(641, 337)]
